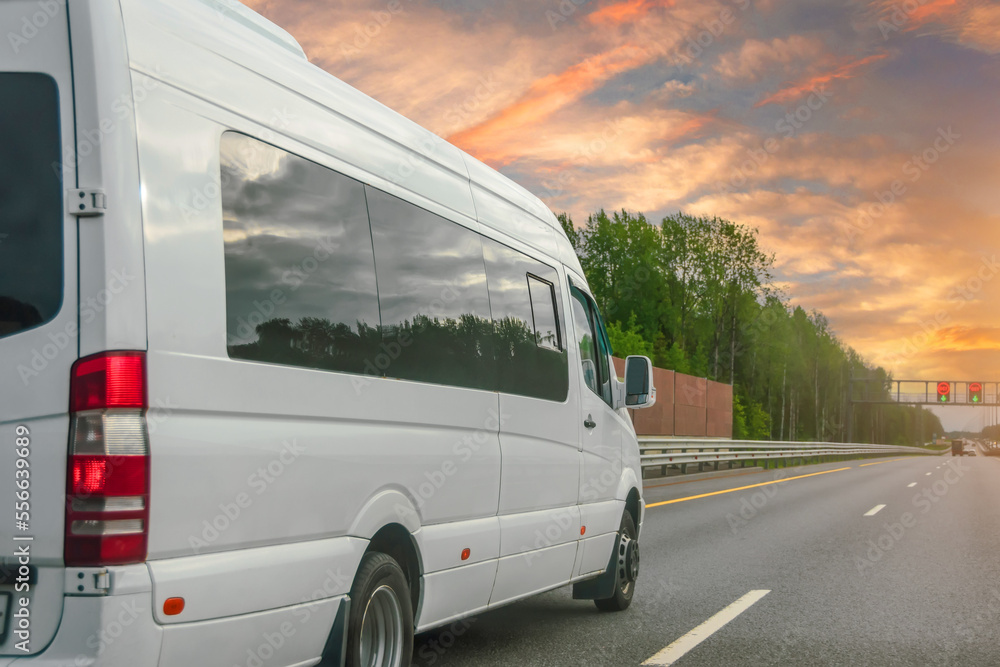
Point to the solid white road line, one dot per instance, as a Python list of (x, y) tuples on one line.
[(682, 646), (875, 510), (911, 485)]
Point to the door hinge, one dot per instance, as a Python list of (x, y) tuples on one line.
[(86, 203), (88, 581), (102, 581)]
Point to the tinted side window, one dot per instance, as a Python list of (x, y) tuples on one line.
[(31, 225), (595, 350), (604, 353), (432, 290), (300, 271), (586, 342), (543, 309), (531, 358)]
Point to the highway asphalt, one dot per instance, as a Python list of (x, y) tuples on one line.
[(915, 582)]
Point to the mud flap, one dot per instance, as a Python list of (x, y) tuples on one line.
[(335, 653), (601, 587)]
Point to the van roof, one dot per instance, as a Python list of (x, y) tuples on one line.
[(240, 13), (240, 35)]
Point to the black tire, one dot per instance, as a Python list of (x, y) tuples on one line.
[(626, 563), (380, 597)]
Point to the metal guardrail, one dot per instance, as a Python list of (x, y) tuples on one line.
[(990, 448), (662, 452)]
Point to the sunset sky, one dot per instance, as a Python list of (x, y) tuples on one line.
[(794, 116)]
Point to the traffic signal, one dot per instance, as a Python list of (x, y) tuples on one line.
[(944, 392), (975, 392)]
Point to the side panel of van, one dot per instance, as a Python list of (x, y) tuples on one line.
[(539, 437), (603, 438), (39, 328), (606, 432), (417, 435), (255, 454)]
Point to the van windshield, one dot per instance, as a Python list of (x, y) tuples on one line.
[(31, 216)]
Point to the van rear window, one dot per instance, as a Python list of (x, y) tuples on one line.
[(300, 270), (31, 209)]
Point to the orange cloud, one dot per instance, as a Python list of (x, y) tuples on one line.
[(906, 18), (691, 127), (981, 29), (488, 140), (627, 12), (795, 91), (963, 338), (972, 23), (932, 11)]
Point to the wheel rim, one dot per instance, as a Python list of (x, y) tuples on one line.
[(632, 561), (628, 563), (382, 630)]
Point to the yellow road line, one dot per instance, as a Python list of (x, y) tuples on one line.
[(878, 463), (703, 479), (743, 488)]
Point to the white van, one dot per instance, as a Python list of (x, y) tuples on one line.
[(284, 378)]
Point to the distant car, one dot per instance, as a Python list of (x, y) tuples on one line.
[(971, 451)]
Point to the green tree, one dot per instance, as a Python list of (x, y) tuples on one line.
[(695, 294), (628, 340), (620, 255)]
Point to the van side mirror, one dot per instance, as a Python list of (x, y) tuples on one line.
[(639, 389)]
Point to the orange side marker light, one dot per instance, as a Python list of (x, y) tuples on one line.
[(173, 606)]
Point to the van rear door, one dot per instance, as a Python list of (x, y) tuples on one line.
[(39, 340)]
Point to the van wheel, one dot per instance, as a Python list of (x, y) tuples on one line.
[(380, 629), (626, 564)]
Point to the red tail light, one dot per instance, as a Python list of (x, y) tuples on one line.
[(90, 475), (107, 485), (109, 380)]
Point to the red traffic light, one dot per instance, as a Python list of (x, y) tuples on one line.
[(944, 392)]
